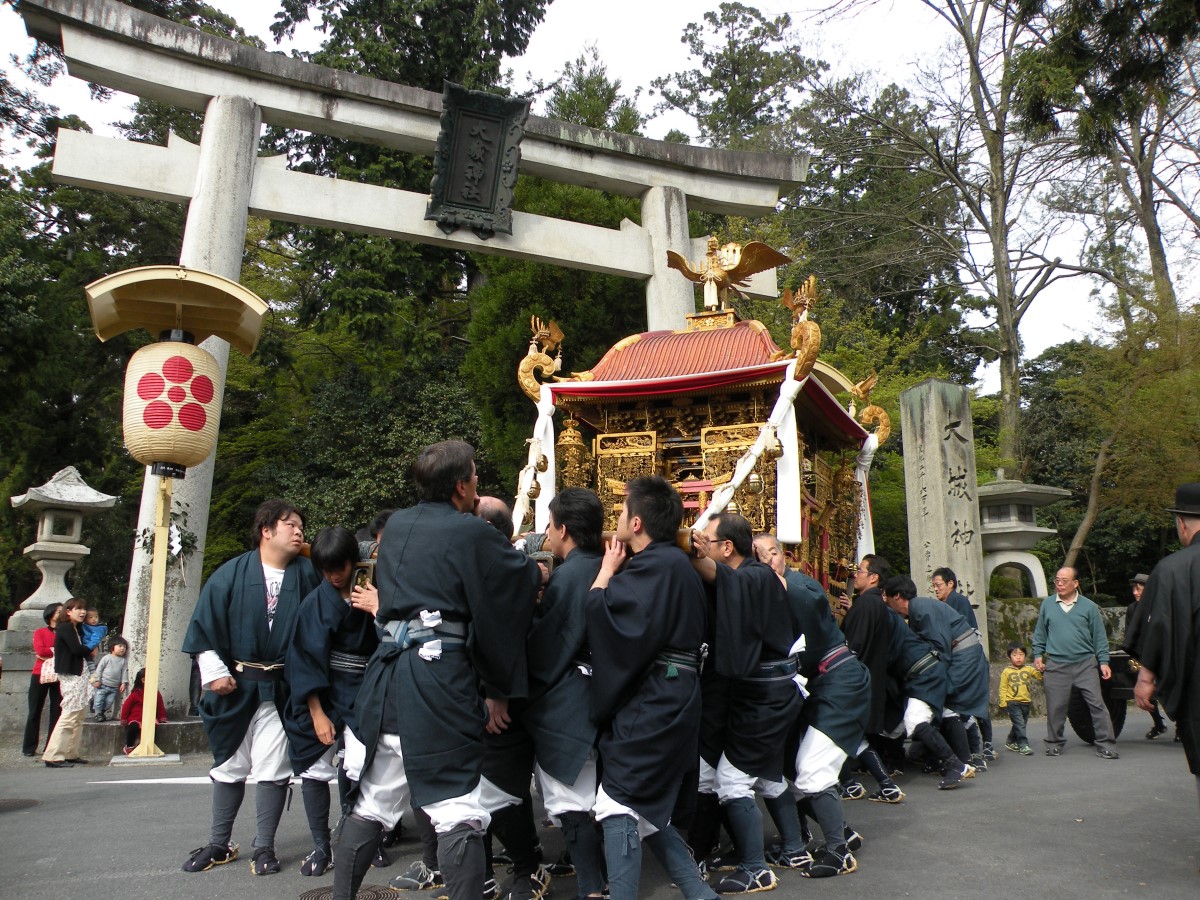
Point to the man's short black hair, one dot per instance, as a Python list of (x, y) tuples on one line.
[(735, 528), (902, 585), (580, 512), (652, 499), (877, 565), (946, 574), (440, 467), (268, 513), (377, 523), (332, 548)]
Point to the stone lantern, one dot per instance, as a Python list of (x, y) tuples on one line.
[(1010, 529), (60, 505)]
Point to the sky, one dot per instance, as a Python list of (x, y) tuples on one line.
[(639, 40)]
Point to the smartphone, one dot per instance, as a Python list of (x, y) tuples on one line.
[(364, 573)]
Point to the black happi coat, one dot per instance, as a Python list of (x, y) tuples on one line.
[(753, 622), (966, 669), (326, 623), (557, 714), (838, 701), (866, 630), (1166, 640), (904, 649), (961, 605), (231, 619), (647, 716), (432, 557)]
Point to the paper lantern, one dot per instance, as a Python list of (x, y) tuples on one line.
[(172, 407)]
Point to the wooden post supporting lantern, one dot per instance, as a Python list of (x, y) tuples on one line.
[(172, 407)]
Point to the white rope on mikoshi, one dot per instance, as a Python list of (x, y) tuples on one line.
[(862, 468), (781, 426), (539, 468)]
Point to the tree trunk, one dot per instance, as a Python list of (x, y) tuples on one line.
[(1093, 504)]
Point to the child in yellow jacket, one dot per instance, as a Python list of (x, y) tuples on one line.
[(1016, 699)]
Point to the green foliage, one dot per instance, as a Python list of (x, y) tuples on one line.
[(742, 92), (1100, 61), (877, 220), (62, 400), (1081, 393), (389, 293)]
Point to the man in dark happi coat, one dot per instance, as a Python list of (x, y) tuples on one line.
[(921, 681), (455, 602), (556, 714), (957, 645), (1167, 637), (240, 632), (832, 724), (865, 627), (646, 621), (335, 637), (1133, 622), (945, 589), (752, 629)]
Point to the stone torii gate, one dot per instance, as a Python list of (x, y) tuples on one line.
[(223, 181)]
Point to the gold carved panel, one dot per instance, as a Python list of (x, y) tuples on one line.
[(621, 458), (722, 447)]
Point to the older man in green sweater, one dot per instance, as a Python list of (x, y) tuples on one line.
[(1068, 644)]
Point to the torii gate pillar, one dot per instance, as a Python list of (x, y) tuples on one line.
[(669, 298)]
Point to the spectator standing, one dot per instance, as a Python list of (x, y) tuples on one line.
[(39, 693), (1068, 644), (111, 678), (1016, 698), (1137, 585), (62, 750)]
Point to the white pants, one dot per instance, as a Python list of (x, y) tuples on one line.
[(606, 807), (729, 782), (262, 754), (818, 762), (916, 713), (384, 793), (325, 768), (561, 798)]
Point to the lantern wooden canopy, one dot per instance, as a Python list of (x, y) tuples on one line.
[(167, 298)]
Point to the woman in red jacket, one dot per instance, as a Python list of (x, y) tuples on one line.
[(131, 712), (43, 652)]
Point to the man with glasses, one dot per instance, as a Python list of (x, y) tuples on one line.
[(1069, 643), (979, 732)]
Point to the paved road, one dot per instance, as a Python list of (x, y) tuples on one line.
[(1031, 827)]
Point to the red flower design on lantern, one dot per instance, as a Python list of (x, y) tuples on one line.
[(159, 413)]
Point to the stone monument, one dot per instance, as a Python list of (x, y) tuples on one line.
[(940, 486)]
